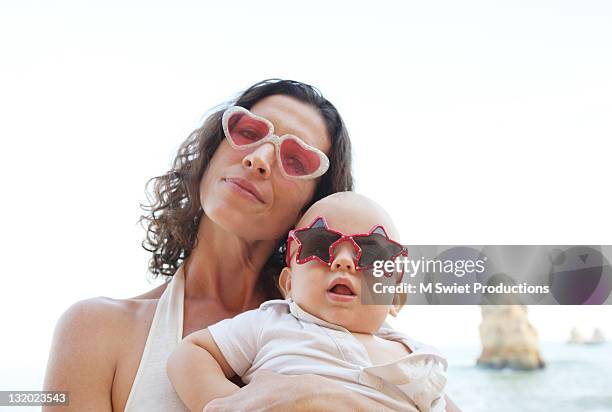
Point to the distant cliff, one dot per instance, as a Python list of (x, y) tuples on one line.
[(576, 337), (508, 339)]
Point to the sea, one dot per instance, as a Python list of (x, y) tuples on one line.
[(577, 378)]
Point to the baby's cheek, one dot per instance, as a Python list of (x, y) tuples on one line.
[(308, 290)]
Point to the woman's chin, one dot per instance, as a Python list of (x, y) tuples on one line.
[(239, 222)]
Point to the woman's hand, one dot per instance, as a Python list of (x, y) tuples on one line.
[(269, 391)]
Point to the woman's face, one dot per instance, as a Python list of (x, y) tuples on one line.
[(244, 191)]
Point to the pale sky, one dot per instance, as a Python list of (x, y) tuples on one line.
[(473, 122)]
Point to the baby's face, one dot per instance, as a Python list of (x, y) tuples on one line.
[(333, 293)]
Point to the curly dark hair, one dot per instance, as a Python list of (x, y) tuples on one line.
[(174, 210)]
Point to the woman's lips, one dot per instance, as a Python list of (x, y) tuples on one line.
[(244, 188)]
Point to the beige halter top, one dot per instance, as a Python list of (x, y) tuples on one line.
[(152, 390)]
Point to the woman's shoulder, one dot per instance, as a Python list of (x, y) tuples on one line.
[(101, 314), (95, 317), (93, 348), (100, 308)]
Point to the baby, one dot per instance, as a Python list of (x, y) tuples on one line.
[(323, 326)]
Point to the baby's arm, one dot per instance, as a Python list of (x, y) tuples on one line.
[(199, 372)]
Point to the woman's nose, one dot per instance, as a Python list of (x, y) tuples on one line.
[(343, 261), (260, 160)]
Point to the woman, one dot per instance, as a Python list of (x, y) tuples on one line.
[(220, 212), (214, 227)]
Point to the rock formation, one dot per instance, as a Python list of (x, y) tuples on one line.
[(576, 336), (508, 339), (598, 337)]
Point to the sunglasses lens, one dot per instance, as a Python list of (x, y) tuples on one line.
[(297, 160), (316, 242), (376, 247), (244, 129)]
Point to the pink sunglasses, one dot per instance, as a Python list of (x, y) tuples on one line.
[(297, 159), (318, 241)]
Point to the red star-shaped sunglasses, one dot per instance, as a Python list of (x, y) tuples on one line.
[(318, 241)]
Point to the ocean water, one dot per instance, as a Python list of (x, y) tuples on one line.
[(576, 378)]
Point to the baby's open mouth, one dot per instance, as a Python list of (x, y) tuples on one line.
[(342, 290)]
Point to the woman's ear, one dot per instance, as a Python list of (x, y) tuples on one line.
[(284, 282)]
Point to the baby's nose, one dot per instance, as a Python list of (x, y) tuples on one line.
[(344, 255)]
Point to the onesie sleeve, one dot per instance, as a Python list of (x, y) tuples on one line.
[(238, 338)]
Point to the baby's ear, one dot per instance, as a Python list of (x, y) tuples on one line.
[(398, 301), (284, 282)]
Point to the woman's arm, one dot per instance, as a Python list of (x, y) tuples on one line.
[(82, 359), (269, 391), (199, 372)]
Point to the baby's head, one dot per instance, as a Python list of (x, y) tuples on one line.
[(329, 286)]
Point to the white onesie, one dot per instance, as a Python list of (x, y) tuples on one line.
[(280, 336)]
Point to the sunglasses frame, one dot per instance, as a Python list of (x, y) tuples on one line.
[(343, 238), (275, 140)]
